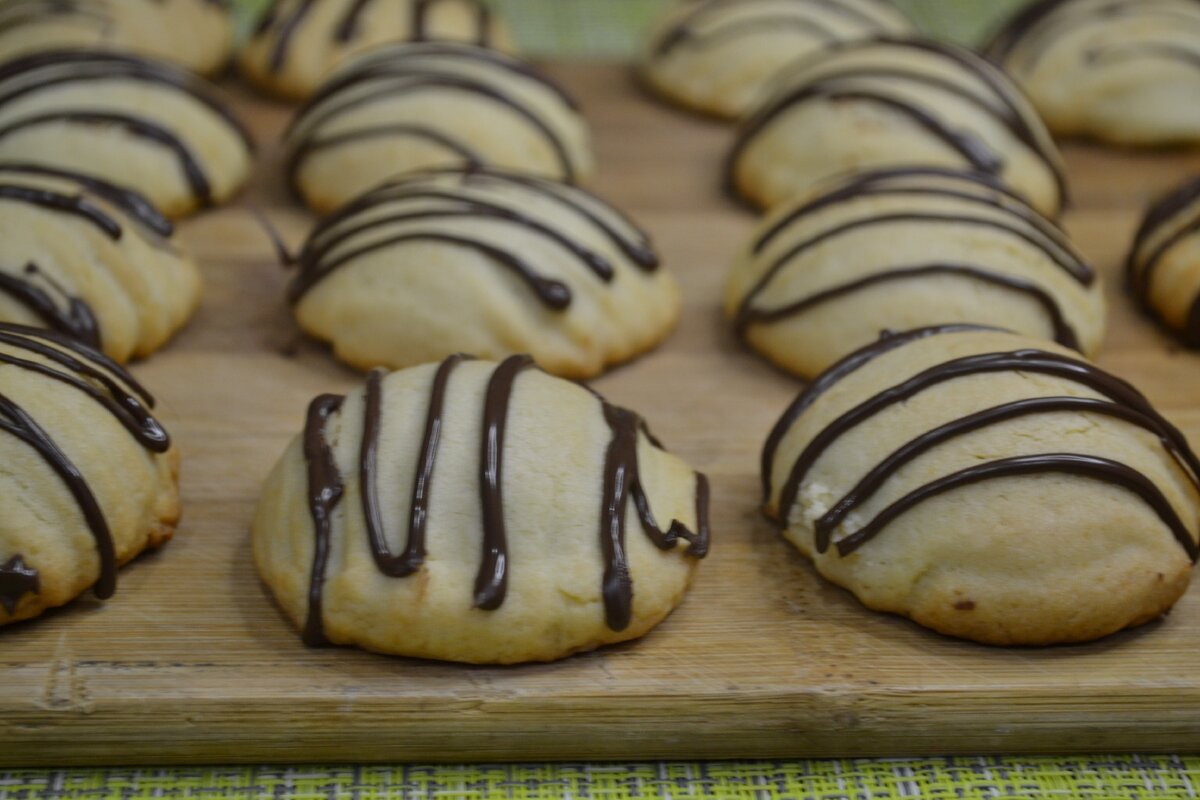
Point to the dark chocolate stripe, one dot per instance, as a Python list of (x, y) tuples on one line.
[(1078, 270), (76, 206), (347, 27), (408, 562), (689, 37), (1064, 334), (77, 320), (892, 182), (878, 476), (1035, 361), (470, 208), (69, 358), (17, 580), (287, 29), (15, 421), (325, 491), (1101, 469), (432, 79), (552, 293), (826, 380), (491, 584), (1140, 267), (126, 200), (140, 128)]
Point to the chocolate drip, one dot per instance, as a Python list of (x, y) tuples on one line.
[(875, 479), (887, 342), (76, 206), (554, 294), (69, 365), (491, 584), (16, 422), (347, 29), (325, 491), (16, 581), (973, 150), (141, 128), (1034, 361), (76, 320), (81, 66), (1101, 469), (408, 562), (403, 82), (1064, 334), (287, 30), (621, 480), (127, 201), (879, 183)]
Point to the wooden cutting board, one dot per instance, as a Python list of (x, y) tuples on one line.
[(192, 662)]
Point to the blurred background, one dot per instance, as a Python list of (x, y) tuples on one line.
[(612, 29)]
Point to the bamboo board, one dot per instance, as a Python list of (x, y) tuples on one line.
[(192, 662)]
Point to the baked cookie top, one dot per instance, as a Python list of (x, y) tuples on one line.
[(407, 107), (717, 56), (1163, 267), (86, 471), (895, 248), (485, 261), (148, 125), (91, 260), (195, 34), (478, 512), (299, 42), (893, 102), (988, 485), (1120, 71)]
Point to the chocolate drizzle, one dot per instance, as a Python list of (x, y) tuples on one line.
[(42, 71), (77, 320), (1017, 221), (399, 70), (1121, 401), (858, 83), (1181, 209), (350, 23), (90, 372), (621, 481), (424, 199), (16, 581)]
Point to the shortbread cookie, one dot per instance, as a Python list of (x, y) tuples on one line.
[(88, 475), (90, 260), (484, 262), (989, 486), (1120, 71), (408, 107), (299, 42), (717, 56), (1164, 263), (195, 34), (152, 127), (478, 512), (902, 248), (887, 103)]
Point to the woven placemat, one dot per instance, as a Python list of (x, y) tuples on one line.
[(1107, 777)]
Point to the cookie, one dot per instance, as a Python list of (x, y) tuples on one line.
[(409, 107), (486, 262), (88, 475), (145, 125), (194, 34), (989, 486), (718, 56), (902, 248), (1163, 266), (90, 260), (478, 512), (888, 103), (300, 42), (1118, 71)]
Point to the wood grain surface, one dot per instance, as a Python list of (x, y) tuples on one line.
[(192, 662)]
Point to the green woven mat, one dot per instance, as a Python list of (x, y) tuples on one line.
[(1109, 777)]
